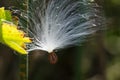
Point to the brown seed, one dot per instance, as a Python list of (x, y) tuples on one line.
[(52, 57)]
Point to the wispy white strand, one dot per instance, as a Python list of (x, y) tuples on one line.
[(57, 24)]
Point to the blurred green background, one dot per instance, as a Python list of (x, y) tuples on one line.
[(98, 58)]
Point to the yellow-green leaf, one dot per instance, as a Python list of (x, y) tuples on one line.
[(14, 38), (2, 13)]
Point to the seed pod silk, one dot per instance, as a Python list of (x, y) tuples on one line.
[(58, 24)]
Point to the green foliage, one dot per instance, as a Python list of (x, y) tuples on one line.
[(8, 15), (5, 15)]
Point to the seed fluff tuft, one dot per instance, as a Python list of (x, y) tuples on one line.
[(58, 24)]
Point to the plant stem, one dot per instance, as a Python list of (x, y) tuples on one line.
[(23, 67)]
